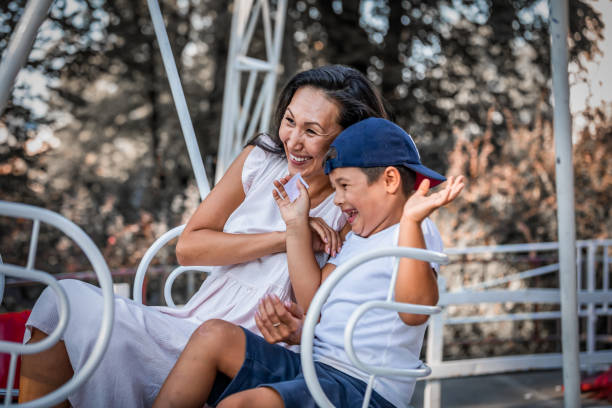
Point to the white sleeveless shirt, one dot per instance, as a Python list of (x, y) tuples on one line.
[(380, 338)]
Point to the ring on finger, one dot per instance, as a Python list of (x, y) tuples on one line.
[(276, 324)]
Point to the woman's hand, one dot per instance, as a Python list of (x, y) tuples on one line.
[(324, 237), (278, 321)]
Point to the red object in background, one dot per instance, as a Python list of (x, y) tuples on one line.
[(600, 386), (12, 327)]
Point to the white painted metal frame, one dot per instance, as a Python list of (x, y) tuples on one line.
[(71, 230), (588, 296), (558, 24), (179, 98), (238, 109), (314, 311), (146, 261), (2, 282), (148, 257), (20, 45)]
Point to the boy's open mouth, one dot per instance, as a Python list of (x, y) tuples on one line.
[(351, 214)]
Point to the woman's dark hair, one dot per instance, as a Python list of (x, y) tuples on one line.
[(355, 95)]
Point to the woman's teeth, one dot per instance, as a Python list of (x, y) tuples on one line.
[(298, 159)]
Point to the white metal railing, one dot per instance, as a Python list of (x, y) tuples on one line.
[(593, 266), (314, 310), (71, 230)]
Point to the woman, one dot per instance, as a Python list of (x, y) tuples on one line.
[(237, 228)]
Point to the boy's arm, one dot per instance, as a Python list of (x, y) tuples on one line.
[(304, 271), (416, 280)]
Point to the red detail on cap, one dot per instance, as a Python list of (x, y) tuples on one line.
[(420, 177)]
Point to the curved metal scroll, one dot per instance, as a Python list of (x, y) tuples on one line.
[(321, 296), (100, 267)]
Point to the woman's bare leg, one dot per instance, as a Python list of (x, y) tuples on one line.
[(215, 346), (44, 372)]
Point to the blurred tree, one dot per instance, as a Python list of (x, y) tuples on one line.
[(107, 151), (121, 157), (459, 74)]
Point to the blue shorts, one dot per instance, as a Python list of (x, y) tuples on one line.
[(270, 365)]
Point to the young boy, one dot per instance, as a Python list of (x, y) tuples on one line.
[(372, 168)]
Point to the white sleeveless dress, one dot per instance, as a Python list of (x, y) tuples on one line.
[(147, 340)]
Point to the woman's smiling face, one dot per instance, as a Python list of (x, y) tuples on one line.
[(309, 126)]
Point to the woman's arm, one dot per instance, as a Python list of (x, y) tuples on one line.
[(203, 241)]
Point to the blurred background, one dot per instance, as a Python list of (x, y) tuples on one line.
[(91, 131)]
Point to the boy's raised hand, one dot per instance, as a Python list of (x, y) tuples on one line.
[(295, 211), (420, 205)]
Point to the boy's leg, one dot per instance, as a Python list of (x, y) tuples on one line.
[(215, 346), (261, 397)]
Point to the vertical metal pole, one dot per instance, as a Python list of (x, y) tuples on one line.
[(2, 283), (565, 201), (20, 45), (179, 98), (432, 397), (591, 311)]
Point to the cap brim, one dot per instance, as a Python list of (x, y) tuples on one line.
[(424, 172)]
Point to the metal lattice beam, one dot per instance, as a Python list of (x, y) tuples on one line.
[(238, 107)]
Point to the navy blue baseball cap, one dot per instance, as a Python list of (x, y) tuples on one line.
[(377, 142)]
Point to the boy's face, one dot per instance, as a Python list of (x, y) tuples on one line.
[(363, 203)]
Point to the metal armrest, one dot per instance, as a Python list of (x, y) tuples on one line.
[(104, 277), (148, 257), (321, 296)]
